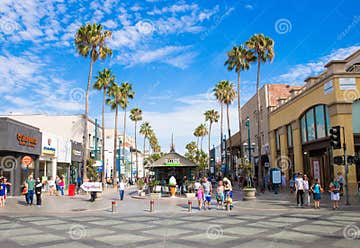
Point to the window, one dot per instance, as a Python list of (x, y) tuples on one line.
[(289, 136), (315, 123), (277, 139)]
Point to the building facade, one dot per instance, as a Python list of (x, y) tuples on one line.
[(299, 126)]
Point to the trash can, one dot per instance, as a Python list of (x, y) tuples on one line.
[(71, 190)]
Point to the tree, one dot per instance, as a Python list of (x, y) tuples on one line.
[(103, 81), (202, 131), (90, 42), (197, 135), (238, 59), (135, 116), (146, 130), (263, 49), (126, 94), (219, 92), (212, 116), (114, 101)]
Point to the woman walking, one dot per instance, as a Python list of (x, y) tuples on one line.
[(220, 196), (62, 185), (335, 193), (306, 191), (38, 188), (200, 196), (2, 193), (316, 190)]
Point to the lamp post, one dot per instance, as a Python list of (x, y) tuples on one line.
[(119, 171), (247, 124), (131, 164)]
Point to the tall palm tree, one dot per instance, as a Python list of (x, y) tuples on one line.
[(197, 135), (219, 92), (126, 94), (202, 133), (90, 42), (145, 129), (114, 101), (103, 81), (238, 59), (263, 49), (212, 116), (135, 116)]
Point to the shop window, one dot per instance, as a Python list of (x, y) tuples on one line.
[(315, 123), (289, 136), (303, 129), (310, 125), (320, 122)]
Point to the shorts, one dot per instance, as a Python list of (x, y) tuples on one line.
[(317, 196), (335, 196), (208, 198), (220, 197)]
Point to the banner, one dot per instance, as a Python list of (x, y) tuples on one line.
[(92, 186)]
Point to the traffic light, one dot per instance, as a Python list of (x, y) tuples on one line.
[(335, 139), (339, 160)]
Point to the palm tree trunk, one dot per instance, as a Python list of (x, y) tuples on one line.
[(124, 135), (144, 146), (136, 154), (197, 143), (115, 150), (221, 133), (239, 111), (209, 146), (201, 142), (260, 179), (229, 133), (103, 137), (86, 135)]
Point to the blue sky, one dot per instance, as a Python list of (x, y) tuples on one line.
[(171, 51)]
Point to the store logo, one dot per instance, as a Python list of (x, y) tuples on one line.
[(49, 142), (27, 163), (25, 140)]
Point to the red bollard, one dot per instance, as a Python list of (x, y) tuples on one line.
[(113, 206), (189, 206), (152, 205)]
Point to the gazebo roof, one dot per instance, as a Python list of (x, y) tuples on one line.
[(172, 159)]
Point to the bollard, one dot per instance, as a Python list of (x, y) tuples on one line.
[(227, 205), (152, 205), (189, 206), (113, 206)]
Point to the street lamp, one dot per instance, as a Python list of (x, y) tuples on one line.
[(119, 171), (247, 124)]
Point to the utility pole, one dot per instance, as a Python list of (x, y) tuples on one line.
[(346, 170)]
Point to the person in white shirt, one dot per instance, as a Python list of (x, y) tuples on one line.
[(299, 189), (306, 191), (121, 186)]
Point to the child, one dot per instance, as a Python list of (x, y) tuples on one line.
[(2, 193), (292, 184), (220, 197), (316, 189), (229, 202), (200, 196)]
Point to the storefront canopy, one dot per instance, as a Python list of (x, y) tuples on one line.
[(171, 159)]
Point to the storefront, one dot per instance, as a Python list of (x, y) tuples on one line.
[(76, 161), (48, 158), (64, 159), (20, 148)]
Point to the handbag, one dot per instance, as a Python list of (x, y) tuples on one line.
[(24, 191)]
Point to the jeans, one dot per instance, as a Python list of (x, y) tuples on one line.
[(30, 197), (300, 194), (121, 195), (38, 199), (61, 189)]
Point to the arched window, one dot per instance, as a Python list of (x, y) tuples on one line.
[(315, 123)]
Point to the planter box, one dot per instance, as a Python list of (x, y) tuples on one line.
[(190, 195), (155, 195), (249, 194)]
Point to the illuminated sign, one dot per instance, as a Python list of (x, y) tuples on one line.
[(27, 163), (172, 162), (26, 140)]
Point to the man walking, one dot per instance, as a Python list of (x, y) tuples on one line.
[(299, 189), (207, 192), (31, 187), (121, 189)]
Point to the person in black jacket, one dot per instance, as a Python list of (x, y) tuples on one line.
[(38, 187)]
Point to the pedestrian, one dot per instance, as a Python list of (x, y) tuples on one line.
[(121, 189), (57, 180), (335, 192), (38, 188), (78, 183), (30, 190), (197, 184), (220, 196), (24, 191), (200, 196), (207, 193), (61, 184), (227, 186), (2, 193), (299, 189), (292, 184), (52, 186), (229, 202), (265, 182), (342, 182), (283, 181), (306, 190), (316, 190)]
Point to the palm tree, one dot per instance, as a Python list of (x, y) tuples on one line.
[(263, 49), (197, 135), (219, 92), (114, 101), (135, 116), (202, 132), (126, 94), (239, 58), (145, 129), (212, 116), (103, 81), (90, 41)]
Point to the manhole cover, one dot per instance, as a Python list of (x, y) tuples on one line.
[(79, 209)]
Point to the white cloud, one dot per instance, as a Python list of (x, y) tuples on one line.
[(298, 73)]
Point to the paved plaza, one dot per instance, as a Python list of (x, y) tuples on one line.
[(269, 221)]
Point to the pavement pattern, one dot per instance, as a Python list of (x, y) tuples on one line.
[(214, 228)]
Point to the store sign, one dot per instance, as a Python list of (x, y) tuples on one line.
[(172, 162), (76, 152), (347, 84), (25, 140), (49, 145), (27, 163), (92, 186)]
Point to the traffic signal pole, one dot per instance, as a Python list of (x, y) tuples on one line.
[(346, 171)]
